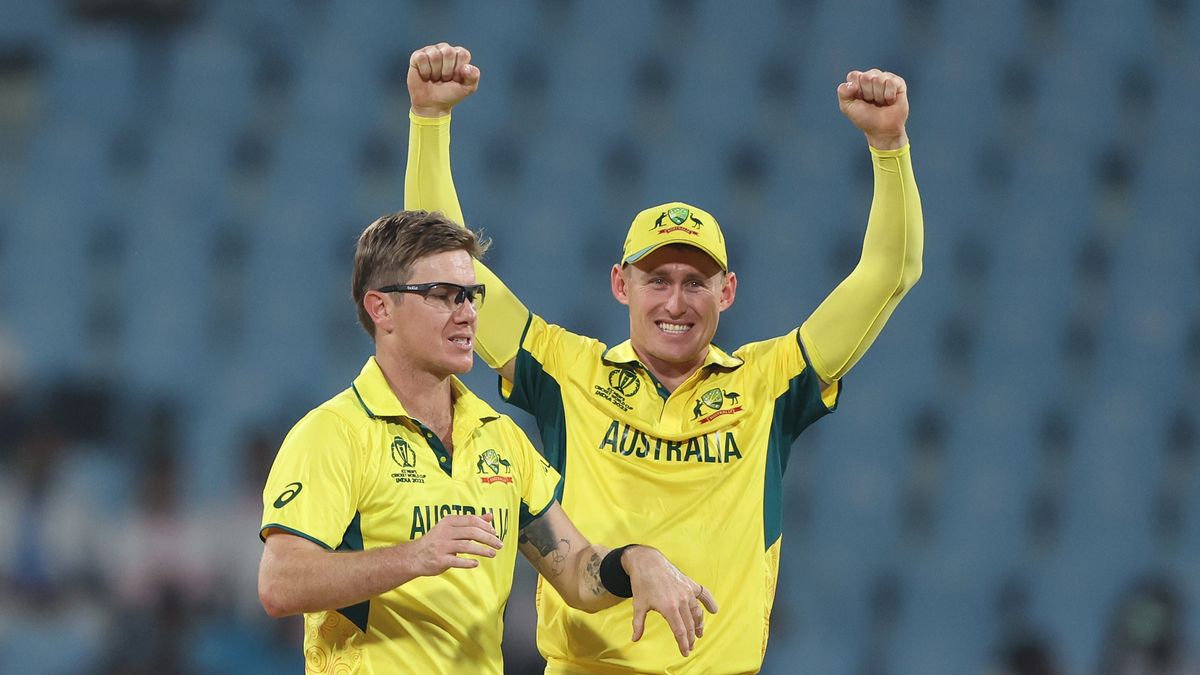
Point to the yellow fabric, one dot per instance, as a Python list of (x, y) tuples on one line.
[(696, 473), (357, 473), (843, 327), (428, 185), (674, 223)]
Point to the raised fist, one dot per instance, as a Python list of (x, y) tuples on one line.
[(439, 76), (876, 102)]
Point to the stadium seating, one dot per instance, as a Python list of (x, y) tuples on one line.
[(184, 201)]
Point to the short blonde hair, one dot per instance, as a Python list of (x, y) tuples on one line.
[(390, 246)]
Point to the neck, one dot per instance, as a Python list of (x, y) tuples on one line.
[(671, 375), (426, 396)]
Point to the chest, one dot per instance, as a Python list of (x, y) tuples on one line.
[(710, 433), (708, 402), (410, 482)]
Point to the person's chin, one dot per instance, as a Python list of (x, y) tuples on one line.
[(677, 353)]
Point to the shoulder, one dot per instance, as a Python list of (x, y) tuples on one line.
[(340, 415), (783, 348), (541, 333)]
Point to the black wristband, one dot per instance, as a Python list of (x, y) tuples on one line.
[(613, 576)]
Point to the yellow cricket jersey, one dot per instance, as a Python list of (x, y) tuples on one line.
[(696, 473), (358, 473)]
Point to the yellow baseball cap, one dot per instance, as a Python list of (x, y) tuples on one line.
[(674, 223)]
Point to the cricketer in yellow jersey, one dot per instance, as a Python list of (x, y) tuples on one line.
[(666, 436), (392, 511)]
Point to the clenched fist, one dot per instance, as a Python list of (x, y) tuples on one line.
[(876, 101), (439, 76)]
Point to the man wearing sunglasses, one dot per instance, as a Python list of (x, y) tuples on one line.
[(393, 512), (665, 434)]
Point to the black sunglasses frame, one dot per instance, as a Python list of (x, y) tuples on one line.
[(465, 293)]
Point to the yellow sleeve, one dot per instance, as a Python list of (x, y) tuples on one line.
[(429, 185), (313, 488), (539, 480), (843, 327)]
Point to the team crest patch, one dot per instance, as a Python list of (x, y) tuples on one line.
[(490, 465), (679, 216), (715, 399)]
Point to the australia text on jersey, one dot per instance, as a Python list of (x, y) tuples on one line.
[(709, 448), (425, 516)]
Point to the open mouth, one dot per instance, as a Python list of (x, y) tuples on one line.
[(464, 342), (673, 328)]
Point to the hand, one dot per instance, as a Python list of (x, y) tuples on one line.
[(660, 586), (877, 103), (439, 77), (440, 548)]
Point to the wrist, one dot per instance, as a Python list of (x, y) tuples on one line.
[(430, 111), (404, 562), (614, 575), (632, 554), (888, 141)]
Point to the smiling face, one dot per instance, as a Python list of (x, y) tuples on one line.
[(424, 334), (675, 297)]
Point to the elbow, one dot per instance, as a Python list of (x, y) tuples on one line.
[(583, 606), (273, 598), (590, 605), (911, 274)]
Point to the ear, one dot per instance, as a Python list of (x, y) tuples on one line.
[(728, 291), (620, 285), (379, 309)]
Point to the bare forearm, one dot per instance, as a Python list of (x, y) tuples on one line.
[(591, 594), (314, 580), (567, 560)]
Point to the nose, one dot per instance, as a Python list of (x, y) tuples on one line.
[(675, 303), (465, 313)]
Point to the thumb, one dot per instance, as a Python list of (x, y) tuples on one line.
[(469, 74), (707, 600), (639, 622), (848, 90)]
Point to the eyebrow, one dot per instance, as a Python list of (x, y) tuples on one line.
[(662, 270)]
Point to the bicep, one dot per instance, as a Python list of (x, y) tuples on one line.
[(279, 541), (280, 545)]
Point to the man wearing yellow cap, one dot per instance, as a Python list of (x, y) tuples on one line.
[(665, 438)]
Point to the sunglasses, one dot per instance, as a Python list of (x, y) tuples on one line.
[(441, 294)]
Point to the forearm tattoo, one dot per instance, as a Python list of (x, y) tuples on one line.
[(594, 585), (553, 551)]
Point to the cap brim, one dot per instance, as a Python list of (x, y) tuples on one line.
[(638, 255)]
